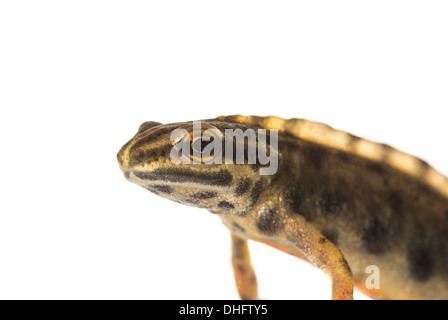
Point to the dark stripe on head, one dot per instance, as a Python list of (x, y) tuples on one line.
[(221, 178)]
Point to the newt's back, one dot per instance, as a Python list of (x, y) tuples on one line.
[(375, 214)]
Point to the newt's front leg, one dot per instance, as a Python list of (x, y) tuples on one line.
[(322, 253), (245, 279)]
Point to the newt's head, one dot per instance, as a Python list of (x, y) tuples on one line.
[(208, 164)]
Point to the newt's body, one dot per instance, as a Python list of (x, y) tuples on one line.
[(339, 201)]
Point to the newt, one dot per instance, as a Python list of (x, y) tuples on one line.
[(336, 200)]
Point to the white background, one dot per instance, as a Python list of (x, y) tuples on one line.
[(77, 78)]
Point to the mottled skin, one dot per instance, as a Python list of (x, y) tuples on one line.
[(338, 201)]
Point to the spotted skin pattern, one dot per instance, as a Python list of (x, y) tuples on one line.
[(337, 201)]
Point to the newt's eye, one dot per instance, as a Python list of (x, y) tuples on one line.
[(198, 146)]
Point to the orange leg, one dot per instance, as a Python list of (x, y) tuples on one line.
[(323, 254), (245, 279)]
